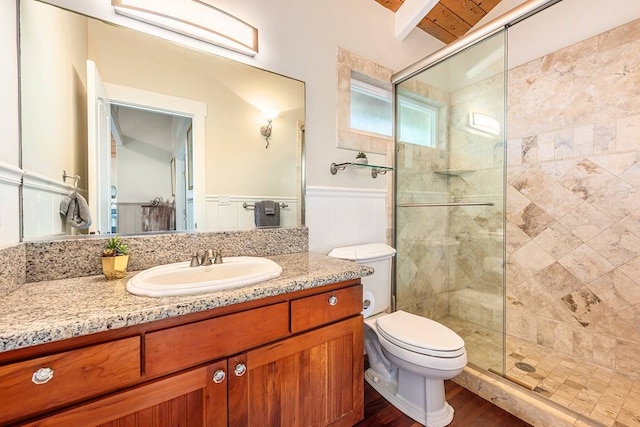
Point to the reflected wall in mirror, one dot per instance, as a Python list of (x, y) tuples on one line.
[(178, 126)]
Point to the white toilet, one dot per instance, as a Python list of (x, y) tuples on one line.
[(409, 356)]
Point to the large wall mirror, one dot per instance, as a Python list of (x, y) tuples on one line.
[(155, 136)]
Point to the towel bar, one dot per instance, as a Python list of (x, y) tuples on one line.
[(428, 205), (248, 206)]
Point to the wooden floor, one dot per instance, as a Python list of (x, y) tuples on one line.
[(470, 411)]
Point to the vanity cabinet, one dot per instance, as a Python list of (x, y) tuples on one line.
[(290, 360), (314, 379)]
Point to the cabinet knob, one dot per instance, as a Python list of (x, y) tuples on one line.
[(218, 376), (241, 368), (42, 375), (333, 300)]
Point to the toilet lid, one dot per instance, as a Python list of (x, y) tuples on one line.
[(420, 335)]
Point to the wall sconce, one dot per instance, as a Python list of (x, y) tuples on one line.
[(270, 114), (193, 18), (485, 124)]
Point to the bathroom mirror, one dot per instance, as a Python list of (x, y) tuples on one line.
[(179, 127)]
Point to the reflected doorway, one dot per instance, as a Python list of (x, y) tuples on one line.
[(150, 174)]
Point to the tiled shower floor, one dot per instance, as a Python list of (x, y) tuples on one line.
[(590, 390)]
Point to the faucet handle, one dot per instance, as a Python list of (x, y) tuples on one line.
[(195, 260), (218, 257)]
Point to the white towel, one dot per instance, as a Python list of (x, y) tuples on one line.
[(76, 209)]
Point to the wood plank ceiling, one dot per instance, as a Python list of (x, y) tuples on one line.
[(449, 19)]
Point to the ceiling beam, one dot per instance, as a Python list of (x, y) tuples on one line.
[(410, 14)]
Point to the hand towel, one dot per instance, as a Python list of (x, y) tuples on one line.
[(64, 205), (267, 213), (269, 207), (76, 209)]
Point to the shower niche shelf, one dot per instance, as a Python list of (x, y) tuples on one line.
[(375, 169)]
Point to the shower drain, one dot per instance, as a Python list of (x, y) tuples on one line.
[(525, 367)]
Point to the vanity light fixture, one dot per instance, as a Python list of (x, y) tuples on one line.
[(270, 114), (193, 18), (483, 123)]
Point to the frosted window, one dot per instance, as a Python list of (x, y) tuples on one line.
[(417, 122), (371, 109)]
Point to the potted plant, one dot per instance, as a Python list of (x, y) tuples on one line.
[(115, 257), (361, 158)]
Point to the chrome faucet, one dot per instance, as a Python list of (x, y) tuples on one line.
[(207, 257)]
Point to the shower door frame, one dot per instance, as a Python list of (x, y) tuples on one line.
[(500, 24)]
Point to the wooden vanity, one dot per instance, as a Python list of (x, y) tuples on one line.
[(293, 359)]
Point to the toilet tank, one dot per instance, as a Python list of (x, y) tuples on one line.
[(378, 256)]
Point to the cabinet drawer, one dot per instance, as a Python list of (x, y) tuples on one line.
[(188, 345), (76, 374), (316, 310)]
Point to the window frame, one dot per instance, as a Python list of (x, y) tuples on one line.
[(349, 64)]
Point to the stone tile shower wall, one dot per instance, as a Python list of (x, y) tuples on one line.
[(573, 200)]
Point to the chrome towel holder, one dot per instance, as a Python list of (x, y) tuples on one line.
[(76, 178), (248, 206)]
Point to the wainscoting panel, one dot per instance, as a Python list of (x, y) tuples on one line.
[(339, 216), (225, 212), (41, 197), (10, 178), (130, 217)]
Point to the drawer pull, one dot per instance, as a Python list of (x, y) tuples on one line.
[(241, 368), (333, 300), (218, 376), (42, 375)]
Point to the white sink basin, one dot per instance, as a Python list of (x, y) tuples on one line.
[(180, 279)]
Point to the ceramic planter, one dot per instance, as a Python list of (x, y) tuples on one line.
[(115, 267)]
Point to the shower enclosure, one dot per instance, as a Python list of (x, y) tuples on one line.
[(450, 161), (517, 223)]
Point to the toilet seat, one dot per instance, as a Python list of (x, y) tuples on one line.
[(420, 335)]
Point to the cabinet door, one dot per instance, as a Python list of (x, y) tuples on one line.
[(189, 399), (313, 379)]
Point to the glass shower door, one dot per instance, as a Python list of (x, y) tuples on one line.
[(449, 214)]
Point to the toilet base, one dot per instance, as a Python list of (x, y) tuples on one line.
[(440, 417)]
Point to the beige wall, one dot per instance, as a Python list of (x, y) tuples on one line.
[(9, 84), (55, 138)]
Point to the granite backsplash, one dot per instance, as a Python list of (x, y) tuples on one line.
[(12, 268), (78, 257)]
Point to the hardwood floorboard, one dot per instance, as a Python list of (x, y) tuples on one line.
[(471, 411)]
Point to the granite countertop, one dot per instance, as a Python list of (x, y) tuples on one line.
[(42, 312)]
